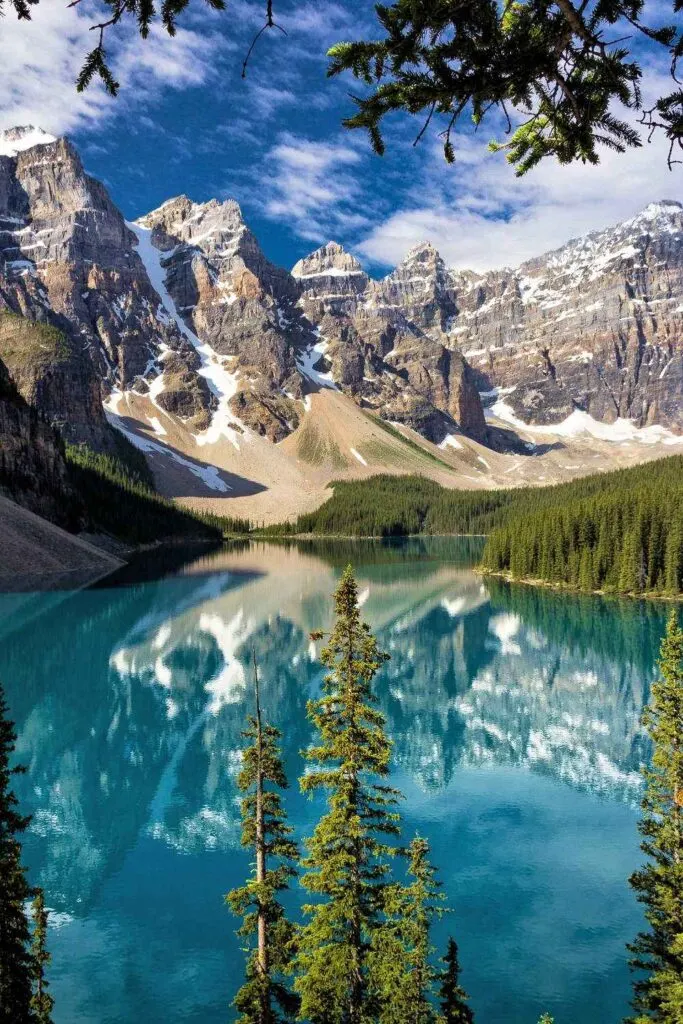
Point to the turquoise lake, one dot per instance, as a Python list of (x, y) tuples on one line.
[(515, 719)]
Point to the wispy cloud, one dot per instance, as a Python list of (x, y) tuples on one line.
[(42, 57), (313, 187)]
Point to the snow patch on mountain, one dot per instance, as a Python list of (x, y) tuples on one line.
[(307, 361), (222, 381), (450, 441), (16, 140), (209, 475), (580, 423)]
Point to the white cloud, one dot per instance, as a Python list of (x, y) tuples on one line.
[(266, 100), (42, 57), (312, 187)]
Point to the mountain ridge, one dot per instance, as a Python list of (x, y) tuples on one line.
[(235, 372)]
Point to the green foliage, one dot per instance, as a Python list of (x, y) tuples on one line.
[(620, 533), (41, 1000), (365, 954), (546, 1019), (658, 952), (264, 998), (16, 961), (397, 506), (403, 947), (406, 442), (454, 999), (129, 460), (347, 866), (119, 501), (556, 70)]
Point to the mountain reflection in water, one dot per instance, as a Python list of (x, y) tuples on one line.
[(130, 702)]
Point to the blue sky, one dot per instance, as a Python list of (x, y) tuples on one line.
[(186, 122)]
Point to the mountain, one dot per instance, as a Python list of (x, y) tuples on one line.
[(596, 325), (242, 381), (33, 468)]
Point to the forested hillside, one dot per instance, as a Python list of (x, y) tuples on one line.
[(623, 536), (620, 531), (118, 498)]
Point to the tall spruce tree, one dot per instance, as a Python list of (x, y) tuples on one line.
[(16, 963), (265, 998), (41, 1000), (348, 856), (658, 952), (454, 999), (412, 976)]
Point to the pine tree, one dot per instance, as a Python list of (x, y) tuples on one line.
[(451, 62), (41, 1000), (404, 951), (673, 559), (454, 999), (658, 995), (265, 998), (16, 963), (348, 856), (546, 1019)]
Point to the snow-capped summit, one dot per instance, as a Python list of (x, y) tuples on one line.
[(330, 260), (16, 140)]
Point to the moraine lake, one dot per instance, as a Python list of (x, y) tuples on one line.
[(515, 719)]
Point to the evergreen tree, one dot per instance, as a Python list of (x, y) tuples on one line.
[(41, 1000), (348, 856), (673, 559), (404, 951), (658, 952), (553, 72), (16, 964), (454, 999), (546, 1019), (265, 998)]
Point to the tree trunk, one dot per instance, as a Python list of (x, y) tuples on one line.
[(262, 949), (356, 994)]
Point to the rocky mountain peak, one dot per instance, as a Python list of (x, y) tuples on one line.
[(212, 226), (663, 206), (422, 284), (16, 140), (330, 260), (665, 215), (424, 252)]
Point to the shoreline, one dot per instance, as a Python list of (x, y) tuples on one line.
[(567, 588), (354, 536)]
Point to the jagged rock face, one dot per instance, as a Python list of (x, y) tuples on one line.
[(422, 287), (225, 289), (233, 299), (330, 280), (386, 340), (595, 325), (33, 469), (68, 259), (185, 296)]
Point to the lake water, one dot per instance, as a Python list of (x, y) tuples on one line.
[(515, 717)]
